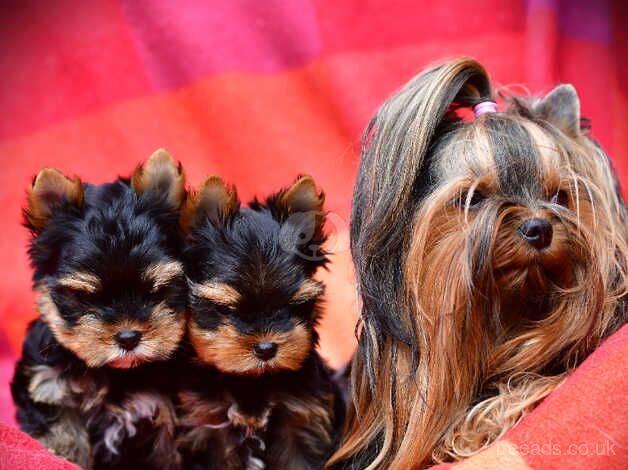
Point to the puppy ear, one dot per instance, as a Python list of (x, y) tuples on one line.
[(214, 200), (162, 174), (301, 198), (561, 107), (50, 190)]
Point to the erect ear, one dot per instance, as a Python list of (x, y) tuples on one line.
[(213, 200), (302, 197), (161, 174), (51, 189), (561, 107)]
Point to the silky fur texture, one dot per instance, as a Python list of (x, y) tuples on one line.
[(105, 261), (250, 284), (465, 326)]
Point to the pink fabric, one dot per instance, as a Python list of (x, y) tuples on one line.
[(19, 451), (258, 92)]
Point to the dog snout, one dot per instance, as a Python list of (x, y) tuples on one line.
[(265, 350), (537, 232), (128, 339)]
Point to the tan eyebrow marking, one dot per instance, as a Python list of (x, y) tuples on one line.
[(217, 292), (81, 281), (309, 290), (161, 273)]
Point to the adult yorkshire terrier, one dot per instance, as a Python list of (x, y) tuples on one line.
[(260, 396), (92, 382), (491, 260)]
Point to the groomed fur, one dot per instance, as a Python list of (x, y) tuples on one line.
[(466, 326)]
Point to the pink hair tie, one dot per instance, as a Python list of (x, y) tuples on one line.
[(484, 107)]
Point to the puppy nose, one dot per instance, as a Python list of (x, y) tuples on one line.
[(128, 339), (265, 350), (537, 232)]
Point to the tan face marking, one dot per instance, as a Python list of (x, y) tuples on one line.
[(217, 292), (161, 273), (93, 341), (231, 351), (81, 281), (309, 290)]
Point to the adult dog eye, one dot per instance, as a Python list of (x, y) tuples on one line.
[(477, 198), (561, 198)]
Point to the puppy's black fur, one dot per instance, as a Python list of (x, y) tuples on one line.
[(259, 396), (93, 383)]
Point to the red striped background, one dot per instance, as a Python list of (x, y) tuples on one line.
[(259, 92)]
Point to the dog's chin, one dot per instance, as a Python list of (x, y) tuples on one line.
[(522, 288), (258, 369), (263, 368), (128, 361), (534, 271)]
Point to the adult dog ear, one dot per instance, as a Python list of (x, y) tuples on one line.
[(561, 107), (214, 201), (161, 173), (51, 190)]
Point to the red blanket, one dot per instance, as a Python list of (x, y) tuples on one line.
[(259, 92), (20, 452), (581, 426)]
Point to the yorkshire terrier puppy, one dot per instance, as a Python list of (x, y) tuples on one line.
[(92, 382), (260, 396), (491, 260)]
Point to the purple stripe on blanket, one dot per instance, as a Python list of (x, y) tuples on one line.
[(587, 20), (182, 41), (580, 19)]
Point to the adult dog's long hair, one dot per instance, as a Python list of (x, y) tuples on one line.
[(491, 259)]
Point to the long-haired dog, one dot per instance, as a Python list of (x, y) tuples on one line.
[(259, 396), (92, 382), (491, 260)]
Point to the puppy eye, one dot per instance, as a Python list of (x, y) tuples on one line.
[(203, 304), (222, 309), (161, 293), (561, 198), (77, 295), (477, 198)]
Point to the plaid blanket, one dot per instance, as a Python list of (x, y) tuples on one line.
[(259, 92)]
